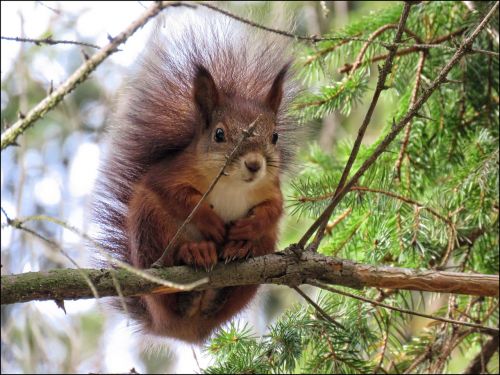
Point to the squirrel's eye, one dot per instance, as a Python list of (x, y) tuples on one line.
[(275, 138), (219, 135)]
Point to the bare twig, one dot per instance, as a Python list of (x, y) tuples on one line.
[(229, 158), (384, 72), (383, 192), (413, 99), (56, 11), (341, 217), (384, 346), (118, 288), (318, 308), (452, 235), (341, 39), (418, 361), (348, 68), (10, 135), (18, 223), (404, 311), (493, 33), (262, 27), (371, 38), (427, 92), (56, 246), (49, 40)]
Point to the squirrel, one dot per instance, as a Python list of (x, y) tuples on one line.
[(179, 115)]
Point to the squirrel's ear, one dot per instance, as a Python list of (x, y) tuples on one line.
[(273, 99), (205, 92)]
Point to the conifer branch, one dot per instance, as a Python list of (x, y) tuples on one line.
[(419, 47), (341, 39), (383, 73), (404, 311), (317, 307), (412, 112), (371, 38), (383, 192), (413, 99)]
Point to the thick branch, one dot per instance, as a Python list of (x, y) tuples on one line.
[(278, 268)]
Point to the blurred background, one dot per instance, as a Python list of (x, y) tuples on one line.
[(53, 169)]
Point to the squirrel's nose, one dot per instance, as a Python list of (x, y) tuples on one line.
[(253, 165)]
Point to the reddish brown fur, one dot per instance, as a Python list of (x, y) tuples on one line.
[(163, 157), (159, 204)]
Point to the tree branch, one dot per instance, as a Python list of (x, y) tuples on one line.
[(10, 135), (404, 311), (478, 364), (383, 73), (464, 48), (283, 268), (413, 99), (423, 47), (493, 33), (318, 308), (383, 192), (342, 39), (49, 40)]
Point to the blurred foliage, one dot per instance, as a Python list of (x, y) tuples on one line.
[(451, 166)]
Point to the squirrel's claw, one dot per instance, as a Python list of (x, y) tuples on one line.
[(236, 250), (198, 254)]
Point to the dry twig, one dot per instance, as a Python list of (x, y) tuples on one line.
[(49, 40)]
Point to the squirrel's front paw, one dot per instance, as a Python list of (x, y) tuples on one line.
[(198, 254), (249, 228), (237, 250), (212, 227)]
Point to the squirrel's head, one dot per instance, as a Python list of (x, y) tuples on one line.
[(223, 116)]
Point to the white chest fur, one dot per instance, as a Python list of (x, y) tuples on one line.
[(231, 199)]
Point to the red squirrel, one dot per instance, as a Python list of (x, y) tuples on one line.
[(179, 115)]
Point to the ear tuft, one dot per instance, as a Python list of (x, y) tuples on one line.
[(206, 95), (275, 95)]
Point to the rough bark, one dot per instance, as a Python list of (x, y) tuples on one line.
[(279, 268)]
